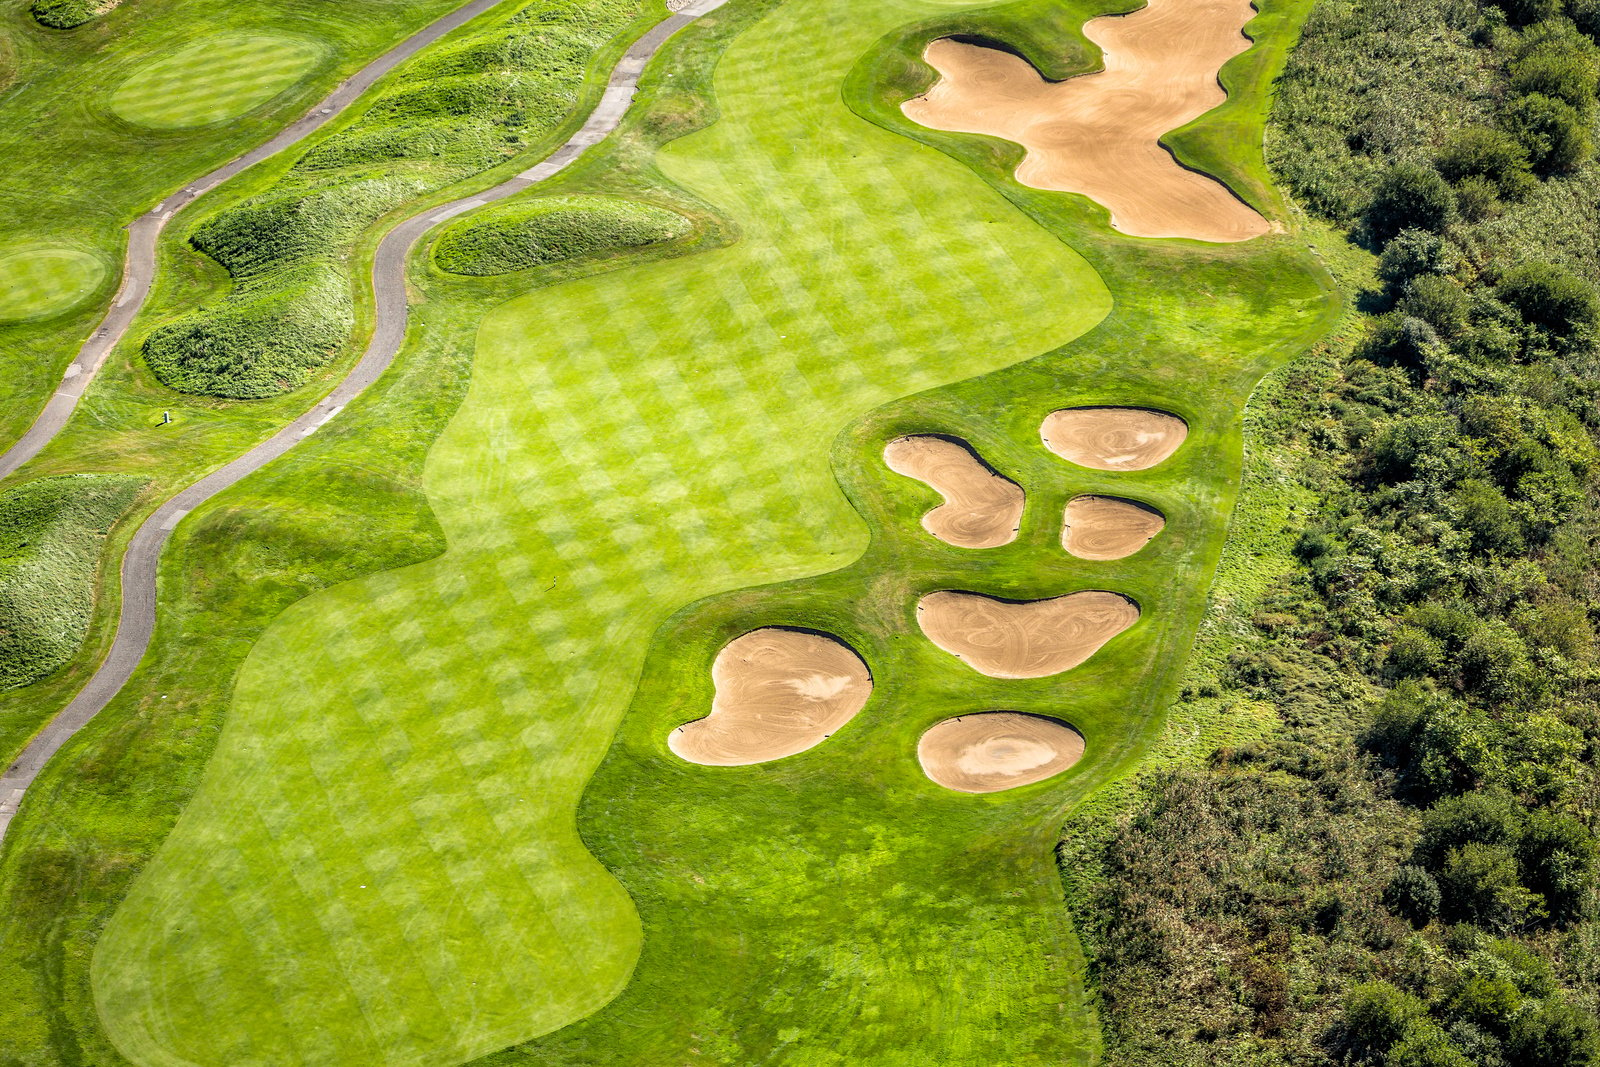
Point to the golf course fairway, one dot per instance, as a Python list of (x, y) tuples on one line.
[(443, 820)]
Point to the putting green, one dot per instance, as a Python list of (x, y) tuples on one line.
[(216, 78), (382, 864), (38, 282)]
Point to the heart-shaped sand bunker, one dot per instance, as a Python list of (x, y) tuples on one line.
[(778, 692), (1108, 527), (997, 750), (1024, 639), (981, 509), (1113, 439)]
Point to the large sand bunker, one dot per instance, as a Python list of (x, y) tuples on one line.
[(1024, 639), (981, 509), (997, 750), (778, 692), (1113, 439), (1107, 527), (1099, 134)]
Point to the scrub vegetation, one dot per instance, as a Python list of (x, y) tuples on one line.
[(50, 536), (519, 235), (67, 14), (1405, 873), (466, 107)]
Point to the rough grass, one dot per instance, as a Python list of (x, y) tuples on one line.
[(212, 80), (39, 283), (656, 435), (462, 109), (50, 536), (552, 230)]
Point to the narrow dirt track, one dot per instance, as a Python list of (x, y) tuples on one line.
[(137, 621)]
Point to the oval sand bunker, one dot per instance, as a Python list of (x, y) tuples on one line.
[(981, 508), (778, 692), (1024, 639), (1107, 527), (1100, 134), (1113, 439), (997, 750)]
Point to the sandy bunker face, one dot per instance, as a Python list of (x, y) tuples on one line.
[(1099, 134), (980, 510), (997, 750), (778, 692), (1108, 527), (1026, 639), (1113, 439)]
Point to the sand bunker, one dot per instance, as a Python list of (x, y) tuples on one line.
[(1099, 134), (981, 509), (1024, 639), (1113, 439), (778, 692), (1107, 527), (997, 750)]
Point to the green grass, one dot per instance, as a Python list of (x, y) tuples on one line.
[(639, 438), (524, 234), (75, 175), (50, 535), (38, 283), (213, 80)]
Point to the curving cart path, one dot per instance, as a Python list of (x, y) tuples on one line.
[(139, 566)]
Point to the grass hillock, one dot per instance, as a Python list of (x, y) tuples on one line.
[(458, 111), (553, 230), (50, 534), (67, 14)]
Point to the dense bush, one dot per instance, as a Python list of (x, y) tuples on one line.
[(65, 14), (1409, 196), (552, 230), (462, 109), (50, 534)]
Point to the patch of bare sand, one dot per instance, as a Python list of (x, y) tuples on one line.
[(1113, 439), (981, 508), (1108, 527), (1024, 639), (1099, 134), (778, 692), (996, 750)]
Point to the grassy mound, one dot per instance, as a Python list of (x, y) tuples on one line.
[(213, 79), (65, 14), (50, 534), (40, 282), (454, 113), (553, 230)]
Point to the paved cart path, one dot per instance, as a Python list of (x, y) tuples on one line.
[(139, 566)]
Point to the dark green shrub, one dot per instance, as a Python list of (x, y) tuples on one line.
[(1557, 855), (1478, 883), (553, 230), (1377, 1016), (1414, 653), (1560, 73), (1552, 300), (1585, 15), (1414, 252), (1426, 1045), (1489, 818), (1409, 197), (1413, 895), (1439, 301), (1483, 510), (1525, 12), (65, 14), (1556, 1034), (1494, 155), (1477, 198), (1552, 132)]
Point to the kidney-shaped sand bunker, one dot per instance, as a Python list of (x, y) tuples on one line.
[(981, 509), (1026, 638), (778, 692), (996, 750), (1108, 527), (1113, 439)]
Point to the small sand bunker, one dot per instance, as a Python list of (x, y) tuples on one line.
[(1113, 439), (1099, 134), (779, 692), (1024, 639), (996, 750), (1107, 527), (980, 510)]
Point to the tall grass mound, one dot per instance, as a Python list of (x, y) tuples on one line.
[(50, 535), (456, 112), (554, 230), (65, 14)]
